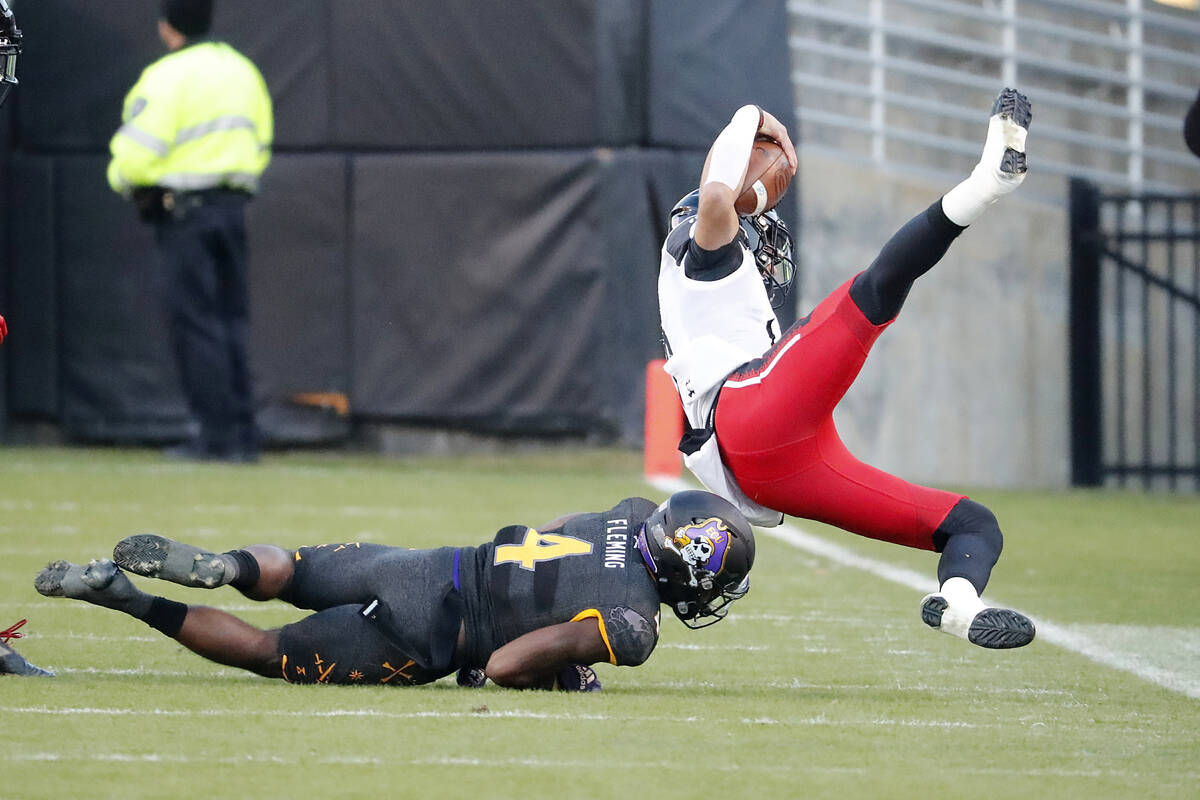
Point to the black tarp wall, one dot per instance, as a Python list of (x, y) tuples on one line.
[(460, 225)]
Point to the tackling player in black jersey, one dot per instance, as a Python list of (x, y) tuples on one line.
[(533, 608)]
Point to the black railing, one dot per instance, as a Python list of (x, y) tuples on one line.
[(1135, 338)]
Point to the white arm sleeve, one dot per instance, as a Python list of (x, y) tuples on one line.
[(731, 150)]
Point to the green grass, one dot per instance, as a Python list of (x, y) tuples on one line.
[(823, 682)]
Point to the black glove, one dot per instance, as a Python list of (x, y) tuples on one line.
[(471, 677)]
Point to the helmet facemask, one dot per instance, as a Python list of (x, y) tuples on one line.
[(771, 243)]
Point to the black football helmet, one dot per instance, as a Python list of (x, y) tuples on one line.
[(687, 206), (10, 48), (699, 549), (765, 236)]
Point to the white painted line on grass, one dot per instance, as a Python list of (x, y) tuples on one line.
[(820, 720), (1182, 675), (806, 767)]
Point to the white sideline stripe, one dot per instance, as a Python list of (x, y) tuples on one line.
[(1047, 631)]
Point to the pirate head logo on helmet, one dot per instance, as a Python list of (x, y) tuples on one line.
[(703, 545), (699, 549)]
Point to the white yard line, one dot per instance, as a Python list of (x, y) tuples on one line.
[(1179, 676), (807, 767)]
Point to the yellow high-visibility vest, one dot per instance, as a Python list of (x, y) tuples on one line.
[(198, 118)]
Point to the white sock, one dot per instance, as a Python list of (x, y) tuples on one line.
[(961, 594), (986, 184)]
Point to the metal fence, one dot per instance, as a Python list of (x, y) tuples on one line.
[(1135, 338), (901, 83)]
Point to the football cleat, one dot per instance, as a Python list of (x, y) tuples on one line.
[(12, 663), (965, 616), (1004, 149), (99, 582), (159, 557)]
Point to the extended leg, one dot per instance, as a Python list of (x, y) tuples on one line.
[(881, 289), (818, 478), (261, 571), (970, 541), (914, 249), (311, 577), (208, 632)]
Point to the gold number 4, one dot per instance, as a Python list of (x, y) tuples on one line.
[(540, 547)]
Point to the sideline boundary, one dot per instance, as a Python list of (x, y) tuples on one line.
[(1174, 679)]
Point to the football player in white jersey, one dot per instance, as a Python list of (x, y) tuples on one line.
[(759, 401)]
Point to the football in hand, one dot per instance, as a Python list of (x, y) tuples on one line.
[(767, 178)]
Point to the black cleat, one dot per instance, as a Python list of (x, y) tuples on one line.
[(985, 626), (1013, 162), (159, 557), (931, 610), (99, 582), (1015, 106)]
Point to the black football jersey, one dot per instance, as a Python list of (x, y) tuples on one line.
[(589, 566)]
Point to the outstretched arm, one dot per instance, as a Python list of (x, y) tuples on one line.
[(725, 171), (534, 660)]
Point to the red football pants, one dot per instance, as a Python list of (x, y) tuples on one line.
[(774, 424)]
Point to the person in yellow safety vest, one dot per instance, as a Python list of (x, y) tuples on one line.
[(195, 136)]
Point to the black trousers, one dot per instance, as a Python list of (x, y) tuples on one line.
[(208, 307)]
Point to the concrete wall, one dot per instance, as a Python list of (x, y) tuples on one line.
[(968, 388)]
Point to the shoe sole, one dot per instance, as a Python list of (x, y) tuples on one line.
[(1000, 629), (99, 582), (993, 628), (1015, 106), (1013, 162), (156, 556), (1017, 112), (932, 609), (48, 582)]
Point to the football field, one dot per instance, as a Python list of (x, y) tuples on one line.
[(822, 683)]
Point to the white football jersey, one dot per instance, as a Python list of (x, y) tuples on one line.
[(712, 328)]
